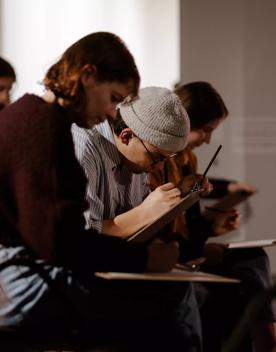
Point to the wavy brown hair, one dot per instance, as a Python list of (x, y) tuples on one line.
[(103, 50)]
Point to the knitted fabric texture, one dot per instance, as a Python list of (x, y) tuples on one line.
[(158, 118)]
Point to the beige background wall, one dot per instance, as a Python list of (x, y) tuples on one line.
[(33, 34), (233, 45)]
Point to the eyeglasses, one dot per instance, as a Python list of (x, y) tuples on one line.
[(159, 159)]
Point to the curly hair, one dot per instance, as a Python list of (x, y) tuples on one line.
[(104, 50)]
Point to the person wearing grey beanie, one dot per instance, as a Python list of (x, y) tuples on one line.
[(116, 157), (158, 118), (118, 154)]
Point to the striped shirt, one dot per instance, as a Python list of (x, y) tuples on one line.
[(112, 187)]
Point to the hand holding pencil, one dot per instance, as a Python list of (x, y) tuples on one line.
[(188, 182), (197, 185)]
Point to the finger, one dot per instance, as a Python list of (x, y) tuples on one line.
[(233, 210), (232, 226), (167, 186), (174, 193)]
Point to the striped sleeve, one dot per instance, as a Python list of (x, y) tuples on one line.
[(89, 157)]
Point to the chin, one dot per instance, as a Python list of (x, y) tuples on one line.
[(194, 145), (138, 171), (91, 123), (98, 120)]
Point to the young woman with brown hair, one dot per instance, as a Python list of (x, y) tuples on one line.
[(42, 200)]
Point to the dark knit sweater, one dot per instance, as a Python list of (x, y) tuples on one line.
[(42, 193)]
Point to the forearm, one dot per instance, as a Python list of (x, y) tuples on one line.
[(127, 223), (220, 187), (93, 252)]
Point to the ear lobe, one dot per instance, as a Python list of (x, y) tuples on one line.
[(126, 135)]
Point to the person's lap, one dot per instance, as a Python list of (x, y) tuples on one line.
[(160, 314)]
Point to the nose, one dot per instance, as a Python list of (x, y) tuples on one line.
[(207, 138), (112, 111)]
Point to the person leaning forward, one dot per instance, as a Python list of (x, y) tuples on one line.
[(116, 156), (42, 205)]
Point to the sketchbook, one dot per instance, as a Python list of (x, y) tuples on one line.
[(174, 275), (232, 199), (147, 232), (252, 244)]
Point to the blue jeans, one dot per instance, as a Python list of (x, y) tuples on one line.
[(148, 316)]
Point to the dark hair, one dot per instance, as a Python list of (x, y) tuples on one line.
[(6, 69), (104, 50), (118, 124), (202, 102)]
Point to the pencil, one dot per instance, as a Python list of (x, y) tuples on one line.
[(196, 185), (212, 160)]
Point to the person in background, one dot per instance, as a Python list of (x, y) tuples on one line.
[(207, 111), (42, 206), (7, 79)]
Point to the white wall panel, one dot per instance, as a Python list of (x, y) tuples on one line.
[(35, 32)]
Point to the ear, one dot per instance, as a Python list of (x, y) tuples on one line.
[(89, 74), (126, 135)]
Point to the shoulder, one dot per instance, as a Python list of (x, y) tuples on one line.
[(32, 119), (86, 142)]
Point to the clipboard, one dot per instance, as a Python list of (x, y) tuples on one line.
[(175, 275), (147, 232), (252, 244)]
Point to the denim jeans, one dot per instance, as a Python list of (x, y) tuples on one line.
[(129, 316)]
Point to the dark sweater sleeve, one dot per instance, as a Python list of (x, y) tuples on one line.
[(44, 198), (220, 187), (95, 252)]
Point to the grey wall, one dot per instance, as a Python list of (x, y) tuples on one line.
[(233, 46)]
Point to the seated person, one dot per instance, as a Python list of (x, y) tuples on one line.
[(7, 79), (42, 200), (120, 200), (116, 155), (207, 111)]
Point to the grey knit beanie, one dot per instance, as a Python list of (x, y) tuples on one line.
[(157, 117)]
